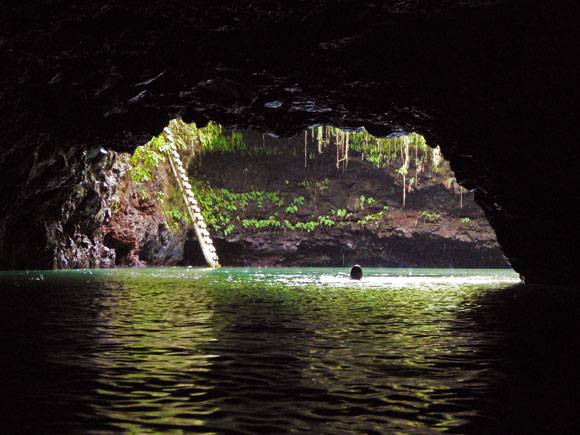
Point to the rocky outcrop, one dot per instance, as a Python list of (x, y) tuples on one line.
[(446, 243), (424, 246), (56, 217), (137, 232), (492, 82)]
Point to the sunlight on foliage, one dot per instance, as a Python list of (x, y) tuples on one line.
[(408, 156)]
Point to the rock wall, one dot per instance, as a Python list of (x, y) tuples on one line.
[(458, 236), (54, 213), (138, 232), (402, 247)]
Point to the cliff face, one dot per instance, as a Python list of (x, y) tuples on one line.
[(59, 205), (138, 232), (438, 227), (342, 216), (492, 82)]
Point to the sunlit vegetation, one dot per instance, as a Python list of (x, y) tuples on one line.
[(429, 216), (409, 152), (408, 156), (188, 139), (223, 209)]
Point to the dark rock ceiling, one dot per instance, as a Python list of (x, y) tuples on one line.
[(492, 82)]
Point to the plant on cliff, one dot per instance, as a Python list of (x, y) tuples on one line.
[(188, 138), (409, 152), (363, 200), (429, 216), (341, 214), (408, 156), (146, 159), (294, 205), (325, 221), (373, 217)]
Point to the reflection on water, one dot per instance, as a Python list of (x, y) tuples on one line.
[(285, 350)]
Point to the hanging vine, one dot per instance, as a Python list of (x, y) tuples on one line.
[(409, 155), (410, 152)]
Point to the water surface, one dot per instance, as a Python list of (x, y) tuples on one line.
[(286, 350)]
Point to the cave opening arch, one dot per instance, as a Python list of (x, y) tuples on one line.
[(324, 197), (493, 82)]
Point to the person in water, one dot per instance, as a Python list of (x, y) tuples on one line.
[(356, 272)]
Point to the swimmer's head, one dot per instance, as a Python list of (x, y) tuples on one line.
[(356, 272)]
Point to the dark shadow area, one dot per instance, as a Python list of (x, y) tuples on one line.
[(534, 357), (49, 330), (192, 253), (121, 248)]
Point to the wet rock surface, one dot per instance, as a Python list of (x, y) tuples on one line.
[(492, 82)]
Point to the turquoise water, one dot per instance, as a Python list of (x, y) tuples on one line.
[(260, 350)]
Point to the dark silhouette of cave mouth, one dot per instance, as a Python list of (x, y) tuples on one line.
[(492, 82)]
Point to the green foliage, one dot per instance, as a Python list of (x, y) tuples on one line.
[(406, 154), (380, 151), (325, 221), (274, 223), (363, 200), (373, 217), (291, 209), (260, 224), (175, 213), (220, 207), (226, 210), (429, 216), (173, 208), (341, 214), (188, 138), (465, 220), (143, 195), (213, 139), (295, 204), (306, 226), (146, 159), (115, 205)]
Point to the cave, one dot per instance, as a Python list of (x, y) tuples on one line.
[(325, 197), (490, 81), (91, 346)]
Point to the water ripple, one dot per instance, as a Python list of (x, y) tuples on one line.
[(250, 350)]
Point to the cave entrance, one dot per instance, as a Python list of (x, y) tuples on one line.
[(325, 197)]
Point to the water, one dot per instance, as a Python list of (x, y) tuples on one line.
[(286, 350)]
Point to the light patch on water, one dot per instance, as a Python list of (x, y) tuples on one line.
[(374, 278), (386, 281)]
